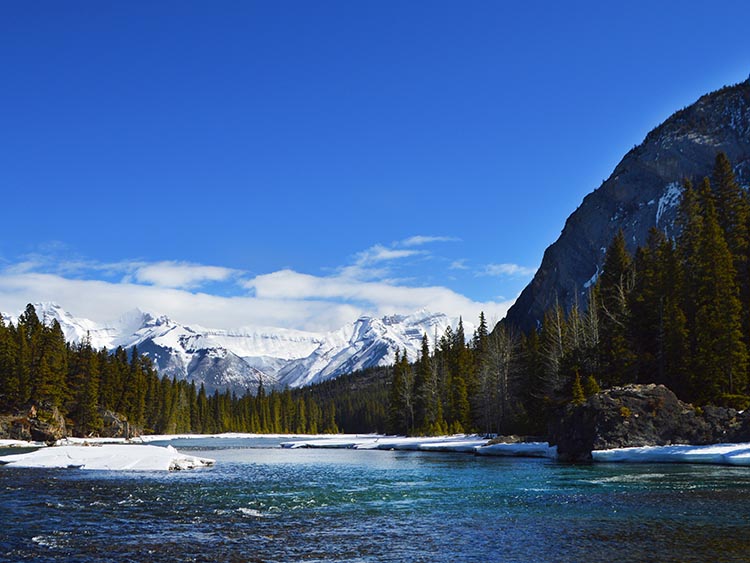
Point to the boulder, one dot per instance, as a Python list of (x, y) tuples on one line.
[(115, 425), (641, 415), (46, 424)]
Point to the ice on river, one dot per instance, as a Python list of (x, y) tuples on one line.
[(110, 456)]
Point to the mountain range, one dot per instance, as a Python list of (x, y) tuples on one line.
[(241, 359)]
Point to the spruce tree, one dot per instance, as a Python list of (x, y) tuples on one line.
[(720, 358), (614, 286), (577, 392), (9, 386), (427, 397), (733, 211)]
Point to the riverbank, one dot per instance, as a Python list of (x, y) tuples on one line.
[(137, 453)]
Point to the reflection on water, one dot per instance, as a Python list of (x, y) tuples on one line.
[(263, 504)]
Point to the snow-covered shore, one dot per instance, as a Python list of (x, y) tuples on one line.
[(459, 443), (117, 457), (138, 454), (20, 444), (716, 454)]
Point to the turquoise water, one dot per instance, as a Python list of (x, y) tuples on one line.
[(263, 503)]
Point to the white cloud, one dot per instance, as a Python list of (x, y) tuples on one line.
[(374, 297), (419, 240), (459, 265), (105, 301), (380, 253), (180, 274), (506, 270), (284, 298)]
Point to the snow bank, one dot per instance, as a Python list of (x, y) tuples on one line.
[(20, 444), (110, 456), (719, 454), (244, 435), (458, 443), (71, 441), (520, 449)]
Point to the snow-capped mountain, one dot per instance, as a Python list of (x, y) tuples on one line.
[(365, 343), (240, 359)]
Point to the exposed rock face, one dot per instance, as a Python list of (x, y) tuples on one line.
[(36, 425), (117, 426), (642, 192), (48, 426), (642, 415)]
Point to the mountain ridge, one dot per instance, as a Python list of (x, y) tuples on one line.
[(642, 191), (242, 358)]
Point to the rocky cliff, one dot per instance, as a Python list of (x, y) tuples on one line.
[(642, 192)]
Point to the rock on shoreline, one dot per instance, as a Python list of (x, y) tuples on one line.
[(638, 416)]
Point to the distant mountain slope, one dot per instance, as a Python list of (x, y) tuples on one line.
[(642, 192), (240, 359)]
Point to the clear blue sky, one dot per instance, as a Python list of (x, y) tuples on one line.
[(272, 162)]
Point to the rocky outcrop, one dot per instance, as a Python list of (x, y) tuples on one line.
[(641, 415), (47, 424), (115, 425), (35, 425), (642, 192)]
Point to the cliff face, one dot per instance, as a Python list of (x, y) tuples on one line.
[(642, 192)]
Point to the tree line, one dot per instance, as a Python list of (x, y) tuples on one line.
[(38, 367)]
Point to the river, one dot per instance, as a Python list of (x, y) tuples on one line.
[(261, 503)]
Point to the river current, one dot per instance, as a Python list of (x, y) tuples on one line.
[(261, 503)]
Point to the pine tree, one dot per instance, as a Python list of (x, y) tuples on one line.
[(647, 306), (22, 371), (614, 286), (85, 375), (577, 392), (590, 387), (720, 358), (690, 225), (428, 410), (49, 383), (733, 211)]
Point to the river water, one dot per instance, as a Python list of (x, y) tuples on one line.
[(264, 503)]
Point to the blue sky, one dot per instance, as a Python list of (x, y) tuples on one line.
[(300, 163)]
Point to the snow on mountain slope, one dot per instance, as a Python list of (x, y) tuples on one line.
[(240, 359), (365, 343)]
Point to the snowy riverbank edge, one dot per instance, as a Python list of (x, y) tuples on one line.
[(715, 454), (113, 457), (96, 453)]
